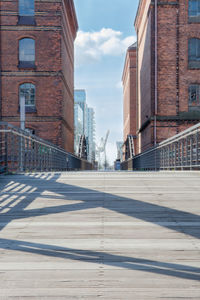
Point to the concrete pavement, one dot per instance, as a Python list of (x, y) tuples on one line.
[(98, 235)]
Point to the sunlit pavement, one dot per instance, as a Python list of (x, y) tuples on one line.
[(100, 236)]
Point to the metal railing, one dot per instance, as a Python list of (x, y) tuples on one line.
[(20, 151), (179, 152)]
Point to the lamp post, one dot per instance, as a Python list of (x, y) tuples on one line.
[(22, 112), (22, 126)]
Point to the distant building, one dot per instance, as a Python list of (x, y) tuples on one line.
[(168, 70), (80, 98), (119, 151), (117, 165), (37, 66), (90, 135), (88, 123), (129, 98), (78, 126)]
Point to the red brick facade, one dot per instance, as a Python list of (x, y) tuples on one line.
[(54, 32), (164, 74), (129, 93)]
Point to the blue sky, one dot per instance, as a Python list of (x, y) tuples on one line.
[(106, 29)]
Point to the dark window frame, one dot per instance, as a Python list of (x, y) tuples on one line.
[(194, 53), (26, 64), (30, 11), (26, 18), (194, 14), (194, 97), (29, 108)]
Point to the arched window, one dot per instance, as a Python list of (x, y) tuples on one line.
[(194, 96), (194, 53), (26, 7), (194, 10), (27, 90), (27, 53)]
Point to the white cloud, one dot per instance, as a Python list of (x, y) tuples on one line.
[(92, 46)]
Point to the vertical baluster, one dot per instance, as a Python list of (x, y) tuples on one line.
[(12, 150), (186, 145), (191, 152), (179, 155), (182, 153), (6, 151), (197, 148)]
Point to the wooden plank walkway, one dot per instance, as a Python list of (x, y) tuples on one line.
[(100, 236)]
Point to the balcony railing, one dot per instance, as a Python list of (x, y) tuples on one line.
[(20, 151), (179, 152)]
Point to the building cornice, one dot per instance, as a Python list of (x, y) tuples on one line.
[(182, 117), (127, 58), (72, 11), (140, 9)]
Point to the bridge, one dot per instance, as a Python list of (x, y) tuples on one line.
[(98, 235)]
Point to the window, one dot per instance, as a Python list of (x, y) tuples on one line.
[(194, 10), (26, 8), (26, 12), (27, 53), (194, 96), (27, 90), (194, 53)]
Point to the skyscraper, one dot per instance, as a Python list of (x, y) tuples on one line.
[(88, 123), (80, 99), (78, 126), (91, 134)]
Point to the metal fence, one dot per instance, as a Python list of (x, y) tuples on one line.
[(20, 151), (180, 152)]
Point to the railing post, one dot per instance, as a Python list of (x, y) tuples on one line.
[(173, 154), (182, 154), (6, 151), (191, 153), (165, 149), (197, 148), (12, 151), (179, 153), (21, 153), (186, 142), (169, 148)]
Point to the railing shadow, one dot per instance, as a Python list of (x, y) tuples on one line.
[(18, 193), (24, 194), (97, 257)]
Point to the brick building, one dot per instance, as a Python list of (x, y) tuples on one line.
[(129, 97), (37, 63), (168, 69)]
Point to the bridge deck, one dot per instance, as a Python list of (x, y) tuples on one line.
[(100, 236)]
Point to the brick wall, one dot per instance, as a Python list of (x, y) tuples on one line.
[(54, 35), (129, 91), (174, 75)]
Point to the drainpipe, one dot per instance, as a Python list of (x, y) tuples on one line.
[(156, 72), (0, 75), (137, 105)]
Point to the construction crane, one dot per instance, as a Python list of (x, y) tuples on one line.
[(101, 151)]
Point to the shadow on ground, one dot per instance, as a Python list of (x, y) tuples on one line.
[(17, 194)]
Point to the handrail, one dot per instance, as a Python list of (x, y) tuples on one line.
[(181, 151), (22, 151)]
